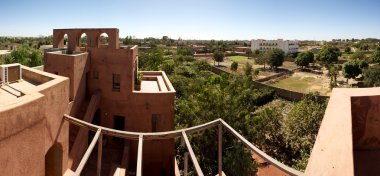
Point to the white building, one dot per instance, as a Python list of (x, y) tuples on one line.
[(288, 46)]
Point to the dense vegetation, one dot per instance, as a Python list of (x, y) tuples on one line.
[(25, 55), (283, 129)]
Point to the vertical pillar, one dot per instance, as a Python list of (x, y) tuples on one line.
[(100, 148), (220, 141)]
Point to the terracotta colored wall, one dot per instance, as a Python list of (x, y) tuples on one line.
[(137, 108), (74, 67), (31, 125)]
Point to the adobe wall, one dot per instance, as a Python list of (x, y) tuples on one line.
[(31, 125), (348, 138), (74, 36), (74, 67)]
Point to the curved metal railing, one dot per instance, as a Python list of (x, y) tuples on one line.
[(141, 136)]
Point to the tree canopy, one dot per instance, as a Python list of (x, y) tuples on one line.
[(304, 59), (328, 55), (25, 55), (351, 69), (371, 76), (218, 56), (375, 57), (275, 57)]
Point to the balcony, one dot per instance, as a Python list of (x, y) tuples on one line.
[(155, 82)]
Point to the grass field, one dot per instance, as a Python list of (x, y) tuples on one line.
[(295, 83), (305, 83), (241, 59)]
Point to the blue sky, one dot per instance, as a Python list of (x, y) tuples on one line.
[(198, 19)]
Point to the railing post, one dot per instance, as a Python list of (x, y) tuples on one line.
[(186, 164), (220, 149), (139, 156), (100, 151)]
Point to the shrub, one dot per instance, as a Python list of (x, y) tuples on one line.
[(234, 66)]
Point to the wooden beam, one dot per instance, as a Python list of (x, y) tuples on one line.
[(88, 153), (220, 148), (277, 164), (100, 152), (192, 155), (139, 156)]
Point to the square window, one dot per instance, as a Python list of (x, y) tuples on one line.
[(116, 82)]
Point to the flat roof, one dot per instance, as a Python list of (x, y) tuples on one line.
[(154, 82), (14, 90)]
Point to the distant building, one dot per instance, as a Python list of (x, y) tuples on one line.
[(288, 46)]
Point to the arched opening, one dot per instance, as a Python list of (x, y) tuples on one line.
[(103, 40), (53, 160), (65, 40), (83, 42)]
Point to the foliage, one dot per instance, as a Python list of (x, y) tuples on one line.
[(182, 58), (302, 124), (151, 60), (261, 60), (248, 52), (275, 57), (304, 59), (234, 66), (139, 78), (333, 73), (351, 69), (371, 76), (128, 40), (287, 131), (185, 51), (375, 57), (256, 52), (218, 56), (328, 55), (25, 55), (347, 49), (247, 69), (168, 66), (358, 55), (256, 72)]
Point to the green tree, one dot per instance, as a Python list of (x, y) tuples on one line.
[(185, 51), (328, 55), (371, 76), (301, 127), (218, 56), (347, 49), (248, 52), (247, 69), (128, 40), (261, 60), (151, 60), (304, 59), (36, 58), (375, 57), (358, 55), (333, 73), (168, 66), (351, 69), (234, 66), (256, 53), (275, 57), (256, 72)]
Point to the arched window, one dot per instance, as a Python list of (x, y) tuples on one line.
[(65, 40), (83, 40), (103, 40)]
